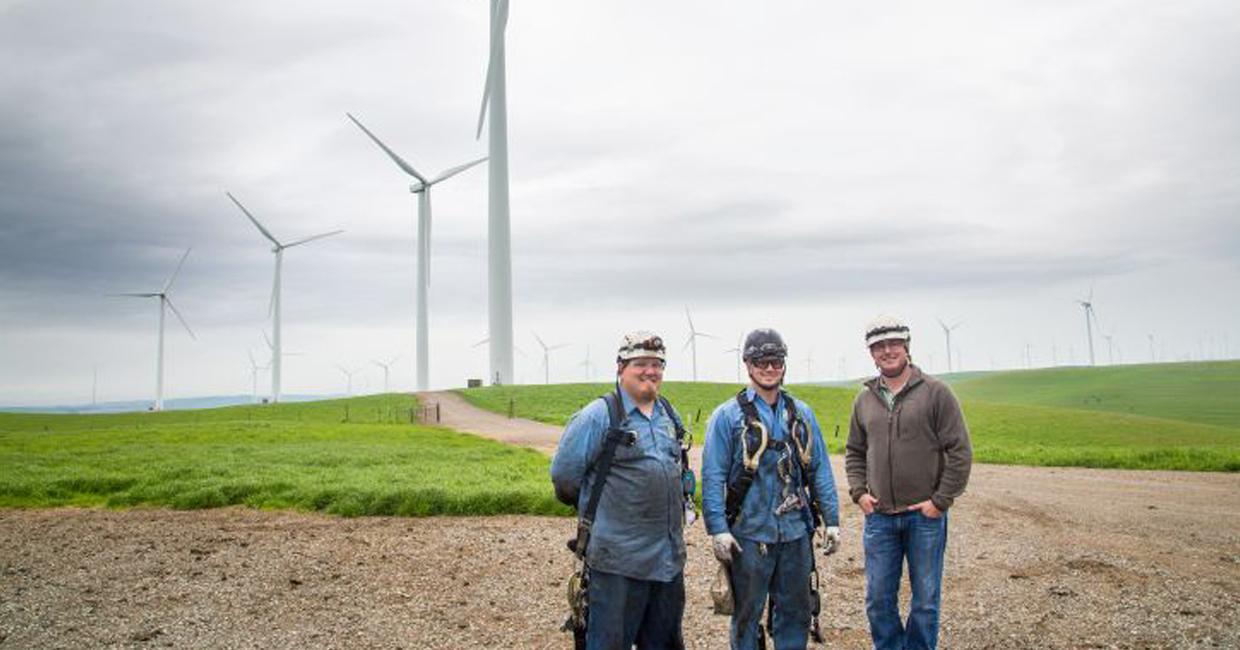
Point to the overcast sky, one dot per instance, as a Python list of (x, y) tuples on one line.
[(799, 165)]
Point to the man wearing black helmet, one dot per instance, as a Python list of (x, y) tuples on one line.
[(766, 486), (908, 457)]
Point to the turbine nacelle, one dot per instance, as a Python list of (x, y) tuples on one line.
[(417, 187)]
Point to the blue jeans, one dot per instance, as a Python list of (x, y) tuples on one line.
[(889, 539), (624, 611), (783, 572)]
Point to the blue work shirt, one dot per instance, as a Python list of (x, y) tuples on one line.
[(638, 529), (722, 466)]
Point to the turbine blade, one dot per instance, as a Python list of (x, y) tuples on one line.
[(268, 340), (691, 329), (312, 238), (557, 347), (254, 221), (540, 341), (497, 43), (132, 295), (175, 271), (181, 318), (520, 351), (481, 342), (400, 162), (449, 173), (250, 353)]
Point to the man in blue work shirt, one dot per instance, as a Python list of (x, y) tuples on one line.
[(764, 532), (636, 550)]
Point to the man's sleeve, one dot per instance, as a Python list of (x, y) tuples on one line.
[(854, 454), (716, 462), (824, 476), (578, 447), (957, 449)]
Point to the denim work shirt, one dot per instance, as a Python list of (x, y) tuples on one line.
[(638, 529), (722, 466)]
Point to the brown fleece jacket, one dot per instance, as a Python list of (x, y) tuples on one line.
[(917, 450)]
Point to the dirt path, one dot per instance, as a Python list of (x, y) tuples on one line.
[(1037, 558), (456, 413)]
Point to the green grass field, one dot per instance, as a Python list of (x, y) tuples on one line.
[(348, 457), (1204, 392), (1002, 433)]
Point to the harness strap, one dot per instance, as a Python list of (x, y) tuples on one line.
[(615, 435)]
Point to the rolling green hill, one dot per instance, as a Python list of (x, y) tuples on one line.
[(1002, 433), (1203, 392), (357, 456)]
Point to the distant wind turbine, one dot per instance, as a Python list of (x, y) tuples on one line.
[(165, 303), (1153, 358), (349, 376), (254, 368), (273, 307), (547, 357), (586, 364), (1110, 339), (421, 186), (694, 335), (947, 332), (387, 367), (739, 354), (1088, 305), (499, 243)]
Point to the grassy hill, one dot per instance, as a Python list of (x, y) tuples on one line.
[(357, 456), (1203, 392), (1021, 434)]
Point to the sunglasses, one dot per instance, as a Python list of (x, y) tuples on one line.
[(775, 363)]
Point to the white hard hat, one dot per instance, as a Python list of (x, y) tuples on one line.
[(641, 344), (885, 328)]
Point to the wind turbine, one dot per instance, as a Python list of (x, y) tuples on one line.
[(947, 331), (1110, 339), (254, 368), (165, 303), (586, 364), (1153, 358), (421, 187), (739, 353), (499, 243), (349, 376), (547, 357), (273, 307), (692, 342), (1088, 305), (387, 367)]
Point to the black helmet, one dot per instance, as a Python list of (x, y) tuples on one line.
[(763, 343)]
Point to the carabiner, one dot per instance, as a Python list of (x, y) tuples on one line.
[(751, 461)]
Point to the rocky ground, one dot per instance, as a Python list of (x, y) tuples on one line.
[(1038, 558)]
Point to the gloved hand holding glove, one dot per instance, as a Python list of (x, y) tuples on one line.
[(831, 542), (724, 544)]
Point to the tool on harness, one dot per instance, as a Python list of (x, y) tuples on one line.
[(579, 582)]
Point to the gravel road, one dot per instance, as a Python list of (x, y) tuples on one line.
[(1037, 558)]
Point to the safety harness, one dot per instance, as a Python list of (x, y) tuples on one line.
[(579, 582), (755, 434)]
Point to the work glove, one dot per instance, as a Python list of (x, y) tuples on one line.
[(831, 543), (724, 544)]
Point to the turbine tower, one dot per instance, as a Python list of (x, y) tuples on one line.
[(422, 188), (499, 242), (589, 367), (165, 303), (694, 335), (547, 357), (273, 307), (1088, 305), (947, 331)]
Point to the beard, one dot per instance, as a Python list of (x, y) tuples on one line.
[(766, 385), (896, 372)]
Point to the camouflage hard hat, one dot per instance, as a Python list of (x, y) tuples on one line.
[(641, 344), (886, 328)]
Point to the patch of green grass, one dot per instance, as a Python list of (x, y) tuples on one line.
[(1001, 433), (1203, 392), (305, 456)]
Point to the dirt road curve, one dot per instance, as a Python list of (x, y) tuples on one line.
[(1038, 558)]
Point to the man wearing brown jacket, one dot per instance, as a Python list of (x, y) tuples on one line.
[(908, 458)]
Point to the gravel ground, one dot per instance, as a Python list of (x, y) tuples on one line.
[(1038, 558)]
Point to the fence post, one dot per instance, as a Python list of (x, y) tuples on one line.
[(437, 407), (512, 407)]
